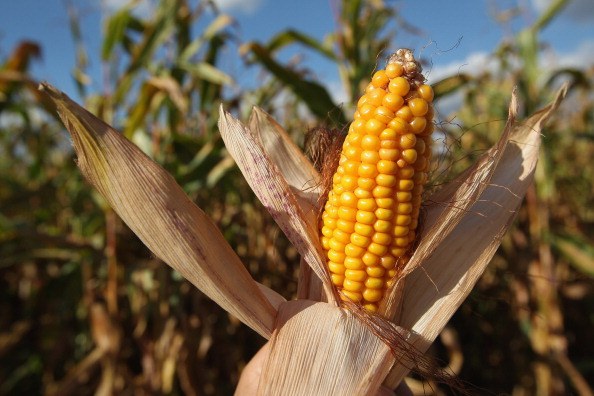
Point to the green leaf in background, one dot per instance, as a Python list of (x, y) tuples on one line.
[(450, 85), (313, 94), (291, 36), (206, 71), (577, 250)]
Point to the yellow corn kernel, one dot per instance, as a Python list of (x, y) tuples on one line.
[(367, 170), (403, 220), (336, 257), (426, 92), (399, 86), (389, 154), (356, 275), (365, 217), (370, 142), (353, 251), (352, 286), (384, 214), (409, 155), (382, 238), (374, 126), (336, 268), (388, 262), (348, 199), (406, 172), (370, 259), (377, 249), (371, 214), (387, 167), (385, 180), (341, 236), (376, 272), (387, 135), (367, 204), (366, 111), (373, 295), (383, 114), (362, 193), (399, 125), (374, 283), (355, 297), (360, 240), (408, 141), (345, 225), (380, 192), (364, 229), (418, 106), (337, 280), (394, 70), (365, 183), (348, 214), (399, 231), (335, 244), (382, 226), (380, 79), (417, 124), (385, 203), (392, 101), (353, 263), (405, 114), (375, 97), (405, 185)]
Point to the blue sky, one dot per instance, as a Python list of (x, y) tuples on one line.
[(465, 27)]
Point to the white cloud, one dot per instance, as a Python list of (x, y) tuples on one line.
[(581, 58), (245, 6), (142, 8), (576, 10)]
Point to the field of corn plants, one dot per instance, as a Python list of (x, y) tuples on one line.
[(86, 308)]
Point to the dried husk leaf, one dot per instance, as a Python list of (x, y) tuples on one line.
[(446, 208), (291, 162), (320, 349), (435, 288), (275, 193), (153, 205), (302, 177)]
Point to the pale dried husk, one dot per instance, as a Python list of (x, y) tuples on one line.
[(319, 349), (274, 191), (155, 207)]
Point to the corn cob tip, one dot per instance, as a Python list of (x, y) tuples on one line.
[(412, 69)]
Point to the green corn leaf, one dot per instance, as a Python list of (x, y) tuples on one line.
[(314, 95)]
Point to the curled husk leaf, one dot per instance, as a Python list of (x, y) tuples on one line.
[(157, 210)]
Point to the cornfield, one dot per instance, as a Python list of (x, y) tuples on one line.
[(87, 308)]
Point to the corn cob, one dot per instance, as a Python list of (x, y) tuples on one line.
[(371, 215)]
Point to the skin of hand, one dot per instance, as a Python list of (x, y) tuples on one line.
[(250, 377)]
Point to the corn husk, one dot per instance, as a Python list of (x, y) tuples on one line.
[(155, 207), (315, 348), (275, 192)]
